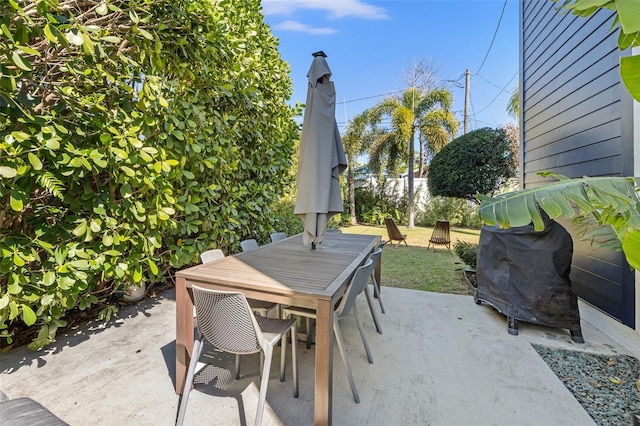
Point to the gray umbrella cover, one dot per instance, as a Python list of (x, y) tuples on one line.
[(321, 157)]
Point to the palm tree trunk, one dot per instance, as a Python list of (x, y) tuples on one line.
[(352, 196), (410, 180), (421, 161)]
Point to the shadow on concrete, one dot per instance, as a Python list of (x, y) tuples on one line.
[(80, 333)]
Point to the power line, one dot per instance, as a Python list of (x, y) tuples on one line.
[(504, 6), (473, 112), (499, 93), (492, 83), (370, 97)]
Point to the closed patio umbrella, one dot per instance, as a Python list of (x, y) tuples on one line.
[(321, 157)]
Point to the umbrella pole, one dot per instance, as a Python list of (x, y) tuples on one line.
[(313, 246)]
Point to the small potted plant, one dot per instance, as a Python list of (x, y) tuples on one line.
[(468, 254)]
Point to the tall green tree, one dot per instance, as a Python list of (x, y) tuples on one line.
[(437, 128), (359, 136), (353, 146), (513, 104), (426, 112)]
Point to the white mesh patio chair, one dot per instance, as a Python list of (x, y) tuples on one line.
[(277, 236), (346, 305), (248, 245), (226, 321), (260, 307)]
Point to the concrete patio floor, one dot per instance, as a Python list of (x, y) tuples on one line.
[(442, 360)]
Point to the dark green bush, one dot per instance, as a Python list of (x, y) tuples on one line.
[(479, 162), (467, 252), (133, 136)]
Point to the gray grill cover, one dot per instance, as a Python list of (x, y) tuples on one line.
[(525, 274)]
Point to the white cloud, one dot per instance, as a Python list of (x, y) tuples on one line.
[(303, 28), (334, 8)]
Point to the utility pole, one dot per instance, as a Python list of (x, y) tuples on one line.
[(466, 101)]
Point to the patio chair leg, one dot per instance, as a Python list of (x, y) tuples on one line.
[(237, 366), (364, 338), (373, 312), (376, 293), (294, 360), (264, 382), (283, 353), (188, 383), (343, 354)]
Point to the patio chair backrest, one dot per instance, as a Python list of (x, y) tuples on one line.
[(211, 255), (375, 255), (359, 280), (277, 236), (226, 321), (248, 245)]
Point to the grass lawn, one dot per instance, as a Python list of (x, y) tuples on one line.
[(416, 267)]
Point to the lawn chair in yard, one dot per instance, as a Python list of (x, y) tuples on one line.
[(441, 235), (394, 232)]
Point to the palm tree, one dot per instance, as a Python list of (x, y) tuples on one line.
[(437, 128), (513, 105), (427, 111), (355, 143)]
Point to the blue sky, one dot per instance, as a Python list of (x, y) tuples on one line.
[(372, 46)]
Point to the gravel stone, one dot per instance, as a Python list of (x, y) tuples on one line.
[(607, 386)]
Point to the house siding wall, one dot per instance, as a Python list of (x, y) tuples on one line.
[(573, 123)]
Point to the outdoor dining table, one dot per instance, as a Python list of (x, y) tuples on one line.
[(286, 272)]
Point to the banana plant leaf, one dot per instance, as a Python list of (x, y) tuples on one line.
[(603, 209)]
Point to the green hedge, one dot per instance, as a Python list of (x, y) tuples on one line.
[(134, 135)]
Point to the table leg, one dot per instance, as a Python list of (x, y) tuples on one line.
[(184, 331), (324, 363)]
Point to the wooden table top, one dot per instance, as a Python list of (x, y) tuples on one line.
[(289, 267)]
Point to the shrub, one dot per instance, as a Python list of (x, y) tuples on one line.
[(133, 136), (457, 211), (374, 204), (477, 162), (467, 252), (285, 220)]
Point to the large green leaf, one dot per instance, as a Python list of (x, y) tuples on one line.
[(604, 205), (631, 247), (630, 74), (629, 14), (28, 316)]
